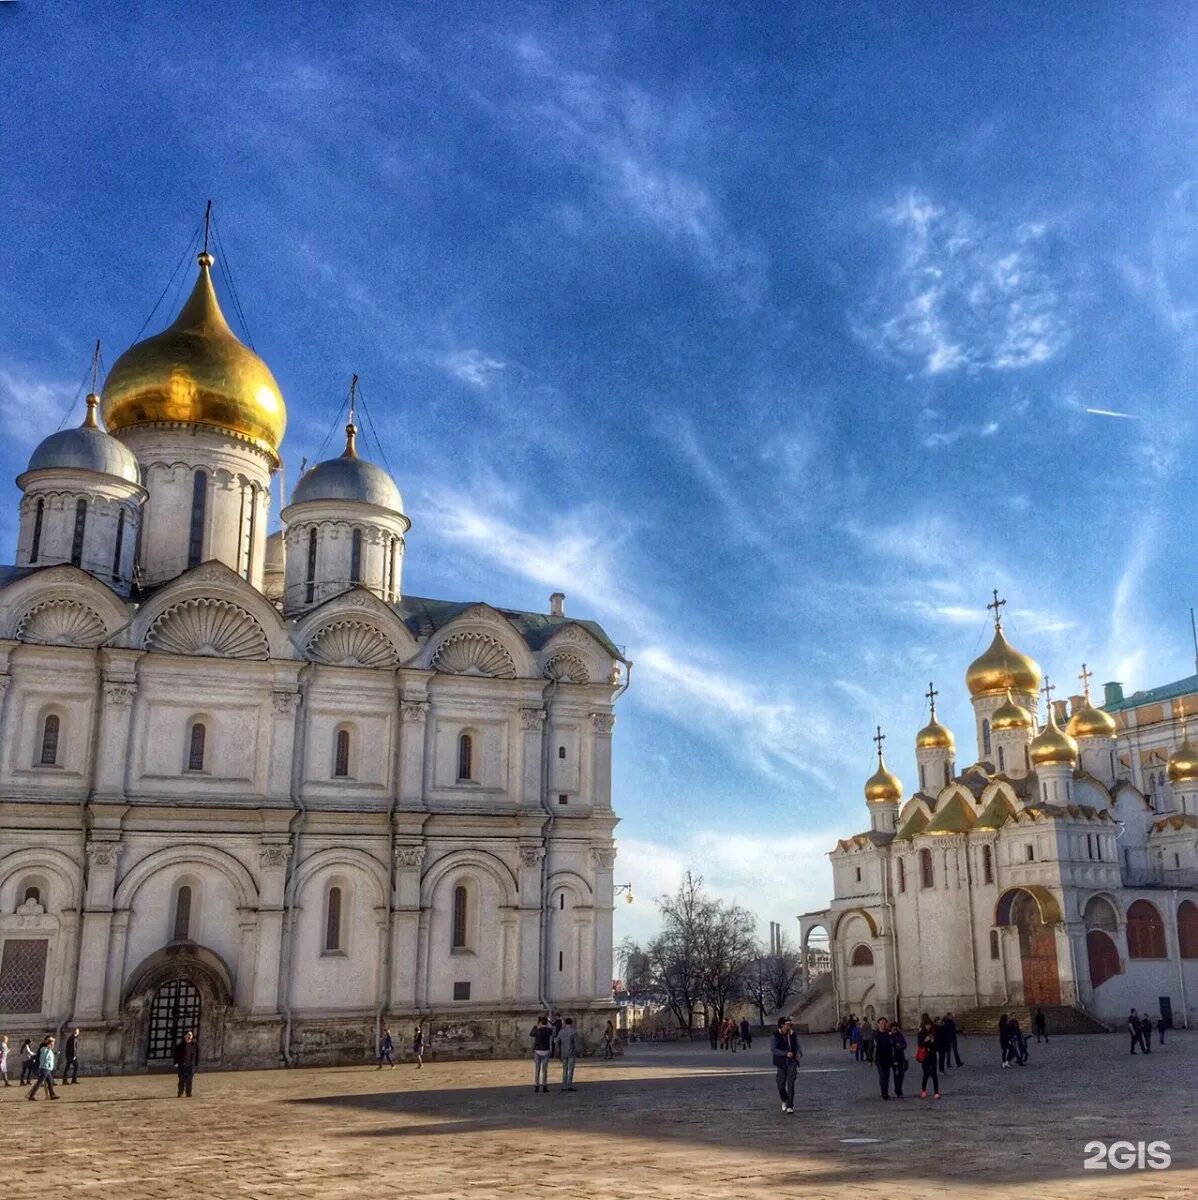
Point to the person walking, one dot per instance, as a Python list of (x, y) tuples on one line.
[(557, 1034), (867, 1039), (570, 1044), (714, 1030), (542, 1047), (786, 1055), (1041, 1026), (418, 1046), (746, 1034), (1160, 1028), (926, 1055), (855, 1041), (28, 1062), (187, 1058), (609, 1040), (70, 1059), (386, 1050), (943, 1048), (45, 1070), (1018, 1042), (950, 1026), (4, 1058), (843, 1028), (1133, 1029), (1004, 1039), (898, 1042), (1146, 1033), (884, 1056)]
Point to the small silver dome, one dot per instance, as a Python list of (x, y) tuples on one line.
[(349, 478), (86, 449)]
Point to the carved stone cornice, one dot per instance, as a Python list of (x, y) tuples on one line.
[(284, 703), (602, 722), (410, 857), (274, 856), (603, 858), (532, 718), (103, 854), (532, 856), (414, 712), (118, 694)]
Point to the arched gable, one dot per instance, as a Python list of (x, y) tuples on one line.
[(354, 628), (480, 641), (482, 861), (62, 606), (917, 804), (573, 655), (51, 862), (1046, 902), (253, 629), (865, 914), (244, 887), (345, 857), (572, 881)]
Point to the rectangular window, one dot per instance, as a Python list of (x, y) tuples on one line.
[(994, 943), (1030, 851), (858, 874), (23, 975), (80, 529), (461, 990), (561, 959), (563, 799)]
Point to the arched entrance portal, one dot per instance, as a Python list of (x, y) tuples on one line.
[(181, 987), (1026, 910)]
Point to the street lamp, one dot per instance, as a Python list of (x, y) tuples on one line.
[(625, 890)]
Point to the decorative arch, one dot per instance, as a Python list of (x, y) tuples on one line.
[(1046, 903), (1103, 955), (167, 963), (346, 858), (210, 628), (479, 860), (566, 668), (471, 653), (241, 880), (860, 912), (41, 603), (62, 622), (861, 956), (1101, 911), (1187, 928), (33, 860), (572, 881), (357, 623), (1145, 931), (352, 643)]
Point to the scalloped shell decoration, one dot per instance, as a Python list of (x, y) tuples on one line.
[(62, 623), (474, 654), (209, 628), (566, 668), (352, 644)]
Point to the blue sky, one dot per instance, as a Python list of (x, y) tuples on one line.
[(765, 332)]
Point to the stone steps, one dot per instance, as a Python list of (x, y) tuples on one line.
[(1059, 1018)]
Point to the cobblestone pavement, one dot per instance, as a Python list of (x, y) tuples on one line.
[(661, 1122)]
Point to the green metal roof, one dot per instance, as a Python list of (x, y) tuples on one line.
[(1169, 691), (916, 823), (954, 817)]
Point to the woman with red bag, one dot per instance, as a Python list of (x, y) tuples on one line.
[(926, 1056)]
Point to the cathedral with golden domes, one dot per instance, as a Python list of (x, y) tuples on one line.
[(248, 785), (1059, 870)]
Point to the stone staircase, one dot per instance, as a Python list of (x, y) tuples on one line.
[(1059, 1018)]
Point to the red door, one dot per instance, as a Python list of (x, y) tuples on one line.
[(1037, 954), (1104, 958)]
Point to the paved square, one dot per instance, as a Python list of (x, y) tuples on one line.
[(663, 1121)]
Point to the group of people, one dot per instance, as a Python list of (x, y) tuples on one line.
[(1140, 1028), (1012, 1043), (728, 1035), (387, 1048), (38, 1064), (556, 1037)]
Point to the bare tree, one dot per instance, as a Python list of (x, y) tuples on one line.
[(728, 945)]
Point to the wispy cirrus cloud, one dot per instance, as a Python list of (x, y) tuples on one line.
[(472, 366), (961, 295), (31, 406)]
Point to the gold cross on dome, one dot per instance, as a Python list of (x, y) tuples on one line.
[(879, 738), (997, 605), (930, 696), (1046, 691), (1085, 678)]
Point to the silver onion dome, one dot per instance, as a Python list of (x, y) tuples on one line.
[(86, 448), (349, 478)]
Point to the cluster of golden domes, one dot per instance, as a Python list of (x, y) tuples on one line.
[(196, 372)]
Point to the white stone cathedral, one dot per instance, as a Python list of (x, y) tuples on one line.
[(250, 787), (1058, 869)]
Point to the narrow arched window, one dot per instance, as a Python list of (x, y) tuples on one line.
[(459, 918), (355, 557), (199, 507), (994, 943), (1002, 759), (251, 527), (119, 545), (50, 729), (862, 956), (341, 754), (33, 895), (987, 865), (923, 781), (195, 747), (561, 752), (36, 546), (182, 914), (80, 530), (985, 737), (310, 577), (927, 876), (393, 568), (1145, 931), (332, 921), (465, 757), (902, 876)]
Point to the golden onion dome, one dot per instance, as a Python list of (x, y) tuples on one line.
[(934, 736), (198, 373), (883, 786), (1091, 722), (1002, 667), (1052, 746), (1183, 762), (1010, 716)]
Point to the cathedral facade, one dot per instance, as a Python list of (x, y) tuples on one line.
[(249, 786), (1058, 870)]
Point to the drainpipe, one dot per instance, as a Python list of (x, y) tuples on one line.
[(396, 776), (887, 891), (289, 888), (1181, 979), (546, 833), (973, 937)]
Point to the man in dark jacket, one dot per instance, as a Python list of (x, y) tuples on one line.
[(542, 1048), (1041, 1026), (70, 1059), (1146, 1033), (950, 1026), (883, 1055), (1133, 1029), (786, 1054), (187, 1058), (746, 1034), (942, 1042)]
